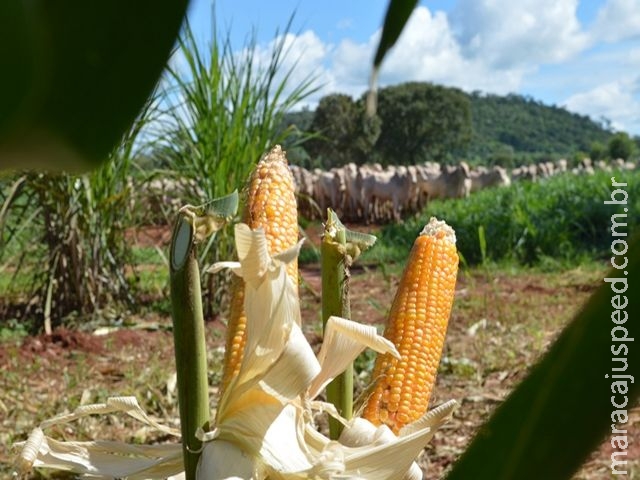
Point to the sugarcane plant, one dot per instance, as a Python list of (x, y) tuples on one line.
[(222, 112)]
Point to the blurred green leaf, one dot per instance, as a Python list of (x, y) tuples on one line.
[(560, 413), (398, 14), (76, 74)]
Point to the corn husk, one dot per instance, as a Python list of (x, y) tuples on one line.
[(263, 426)]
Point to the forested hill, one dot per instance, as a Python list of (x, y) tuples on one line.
[(529, 126), (443, 124)]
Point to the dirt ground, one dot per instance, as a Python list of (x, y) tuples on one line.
[(501, 323)]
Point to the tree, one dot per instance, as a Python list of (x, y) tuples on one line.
[(343, 132), (503, 156), (621, 146), (421, 121), (598, 151)]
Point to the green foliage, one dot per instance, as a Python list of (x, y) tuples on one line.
[(621, 146), (66, 234), (564, 218), (294, 130), (12, 330), (343, 132), (72, 244), (503, 156), (397, 15), (598, 151), (421, 121), (301, 119), (529, 127)]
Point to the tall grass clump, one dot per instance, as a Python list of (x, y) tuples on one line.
[(64, 239), (564, 218), (224, 109)]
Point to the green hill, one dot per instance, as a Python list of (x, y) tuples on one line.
[(509, 129), (528, 127)]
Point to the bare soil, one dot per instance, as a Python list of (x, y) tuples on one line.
[(501, 323)]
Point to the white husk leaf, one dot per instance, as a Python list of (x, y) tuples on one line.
[(388, 457), (343, 341), (431, 419), (223, 460), (103, 459), (277, 358)]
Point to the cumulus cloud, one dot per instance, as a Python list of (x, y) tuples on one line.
[(619, 101), (303, 60), (487, 45), (618, 20), (427, 50), (510, 34)]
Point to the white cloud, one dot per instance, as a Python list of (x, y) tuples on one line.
[(303, 59), (619, 101), (307, 53), (511, 34), (618, 20), (427, 50), (350, 64)]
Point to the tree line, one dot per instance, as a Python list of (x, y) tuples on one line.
[(419, 121)]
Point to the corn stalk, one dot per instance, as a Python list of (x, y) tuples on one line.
[(340, 247)]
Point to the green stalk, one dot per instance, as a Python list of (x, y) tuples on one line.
[(335, 301), (189, 339)]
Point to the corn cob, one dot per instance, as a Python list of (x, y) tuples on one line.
[(417, 326), (270, 204)]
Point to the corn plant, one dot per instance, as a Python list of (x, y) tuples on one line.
[(222, 111)]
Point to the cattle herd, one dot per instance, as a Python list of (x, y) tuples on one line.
[(376, 194), (373, 194)]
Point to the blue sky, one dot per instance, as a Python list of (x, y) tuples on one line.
[(580, 54)]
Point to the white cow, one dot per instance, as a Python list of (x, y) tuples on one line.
[(452, 182), (482, 178)]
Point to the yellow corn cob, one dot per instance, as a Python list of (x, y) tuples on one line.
[(417, 326), (270, 203)]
